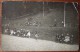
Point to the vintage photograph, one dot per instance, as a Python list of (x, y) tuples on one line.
[(40, 26)]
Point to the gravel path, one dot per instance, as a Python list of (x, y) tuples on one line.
[(12, 43)]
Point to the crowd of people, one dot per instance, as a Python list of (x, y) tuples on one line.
[(61, 38), (18, 32), (67, 38)]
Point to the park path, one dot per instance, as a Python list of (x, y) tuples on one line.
[(13, 43)]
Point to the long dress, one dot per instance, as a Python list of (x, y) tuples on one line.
[(67, 39), (11, 32), (36, 36), (29, 34)]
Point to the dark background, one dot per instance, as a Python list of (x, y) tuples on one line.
[(17, 13)]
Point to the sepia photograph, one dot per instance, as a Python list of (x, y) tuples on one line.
[(40, 26)]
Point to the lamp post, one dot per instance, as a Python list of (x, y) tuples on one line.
[(64, 14), (43, 9)]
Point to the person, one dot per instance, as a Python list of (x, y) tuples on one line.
[(11, 32), (62, 38), (36, 36), (14, 31), (71, 39), (6, 31), (24, 34), (57, 37), (67, 38), (55, 22), (18, 32), (62, 23), (28, 34)]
